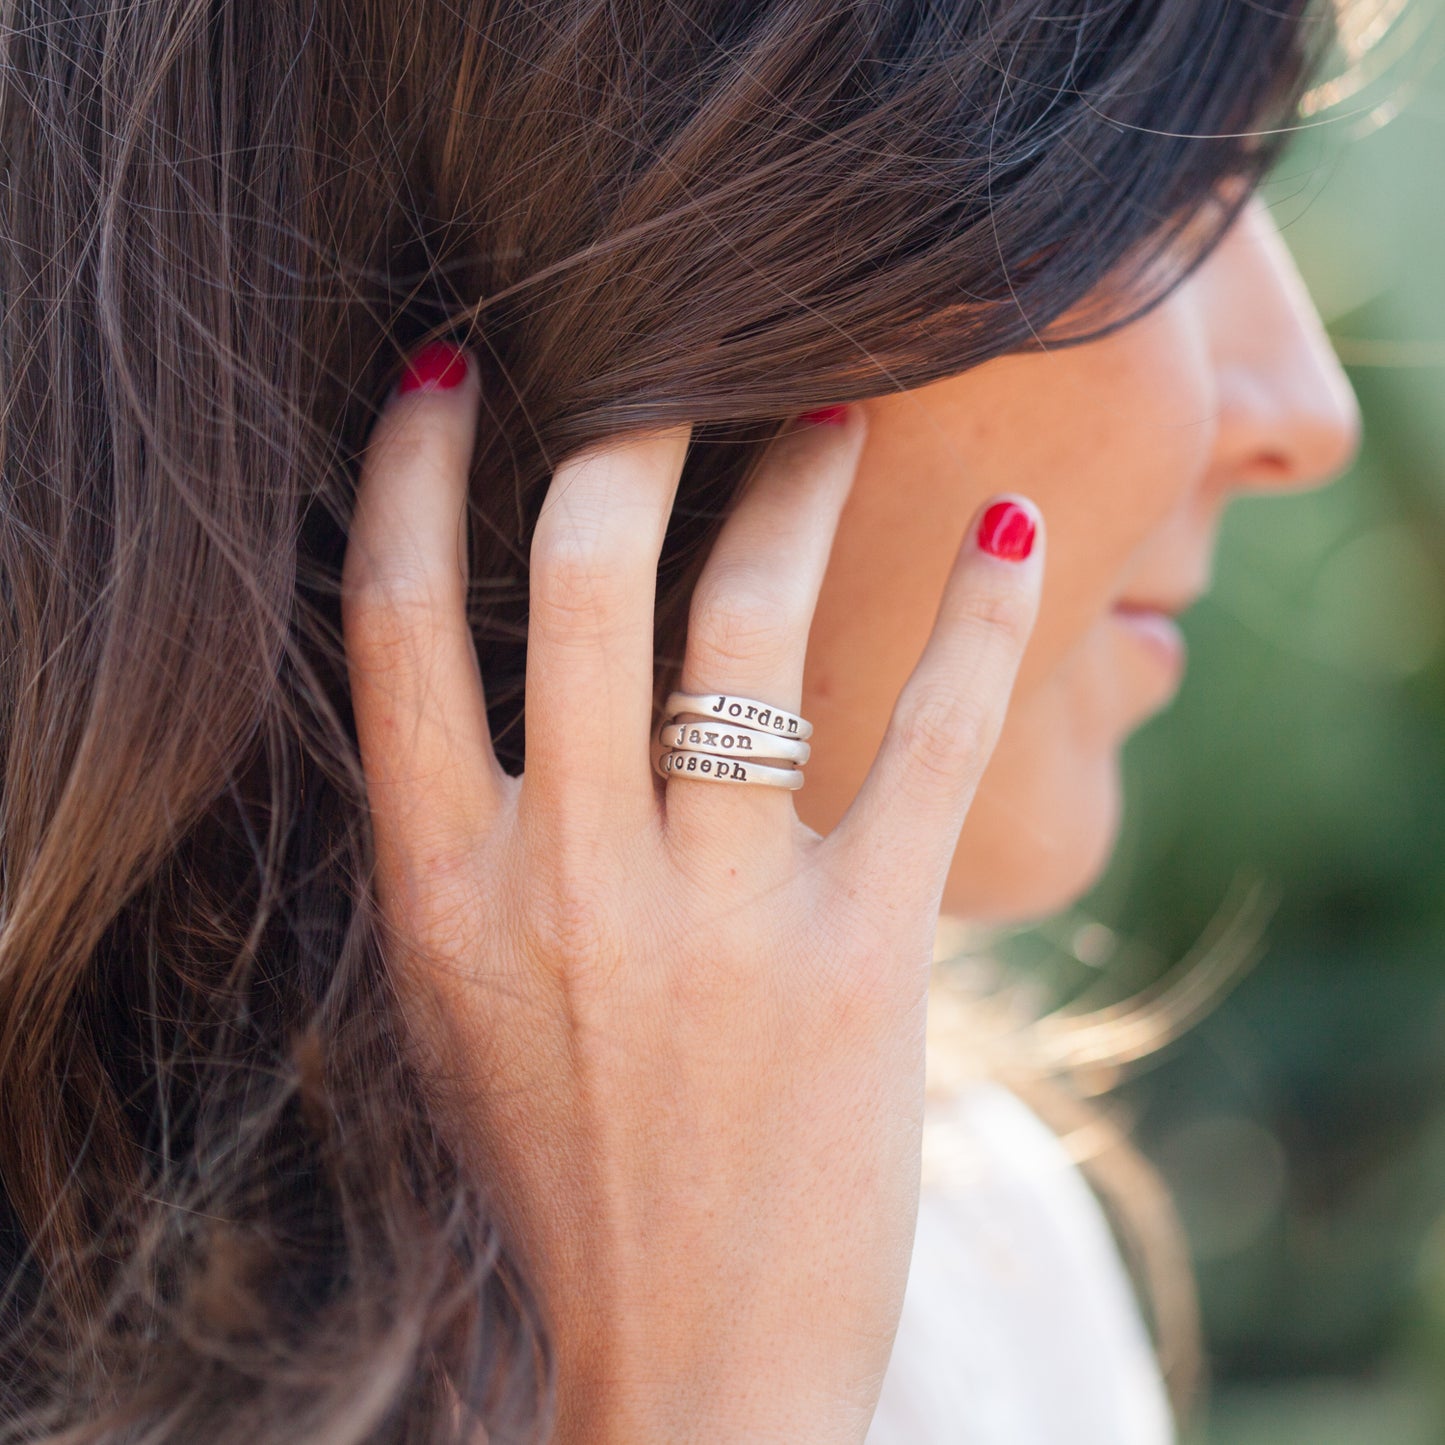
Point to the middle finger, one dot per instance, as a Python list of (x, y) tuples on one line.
[(593, 578)]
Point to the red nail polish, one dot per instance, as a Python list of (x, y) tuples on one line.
[(827, 416), (438, 365), (1007, 531)]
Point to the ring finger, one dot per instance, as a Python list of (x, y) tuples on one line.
[(750, 613)]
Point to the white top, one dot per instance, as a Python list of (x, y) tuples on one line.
[(1019, 1326)]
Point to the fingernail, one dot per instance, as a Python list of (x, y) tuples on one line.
[(439, 365), (1006, 530), (827, 416)]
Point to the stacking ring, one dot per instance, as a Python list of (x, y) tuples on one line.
[(676, 764), (731, 742), (725, 735), (744, 711)]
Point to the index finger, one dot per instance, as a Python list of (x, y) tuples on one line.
[(590, 654)]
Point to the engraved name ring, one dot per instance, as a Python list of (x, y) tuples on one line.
[(726, 770), (732, 742), (746, 712), (724, 736)]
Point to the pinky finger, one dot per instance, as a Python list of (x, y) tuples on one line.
[(913, 803)]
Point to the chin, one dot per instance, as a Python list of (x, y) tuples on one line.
[(1027, 853)]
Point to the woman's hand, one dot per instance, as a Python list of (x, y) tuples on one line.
[(686, 1030)]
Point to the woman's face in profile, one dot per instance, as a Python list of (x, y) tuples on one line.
[(1131, 446)]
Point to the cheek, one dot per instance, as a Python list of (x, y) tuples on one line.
[(1046, 810), (869, 627), (1112, 441), (1108, 500)]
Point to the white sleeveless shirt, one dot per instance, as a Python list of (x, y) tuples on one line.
[(1019, 1325)]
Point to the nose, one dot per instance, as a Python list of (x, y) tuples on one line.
[(1288, 416)]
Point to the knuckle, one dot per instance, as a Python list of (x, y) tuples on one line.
[(393, 612), (568, 931), (740, 627), (415, 449), (945, 735), (577, 574), (1006, 614), (569, 924)]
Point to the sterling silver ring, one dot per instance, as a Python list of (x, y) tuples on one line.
[(707, 767), (723, 735), (729, 741), (745, 712)]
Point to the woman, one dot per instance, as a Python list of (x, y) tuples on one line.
[(388, 1060)]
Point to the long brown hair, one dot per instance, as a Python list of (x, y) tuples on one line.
[(228, 1212)]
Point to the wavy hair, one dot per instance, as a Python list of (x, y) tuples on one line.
[(227, 1209)]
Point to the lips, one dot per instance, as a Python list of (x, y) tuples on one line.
[(1153, 625), (1166, 607)]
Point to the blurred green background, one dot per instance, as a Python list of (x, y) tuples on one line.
[(1301, 1124)]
